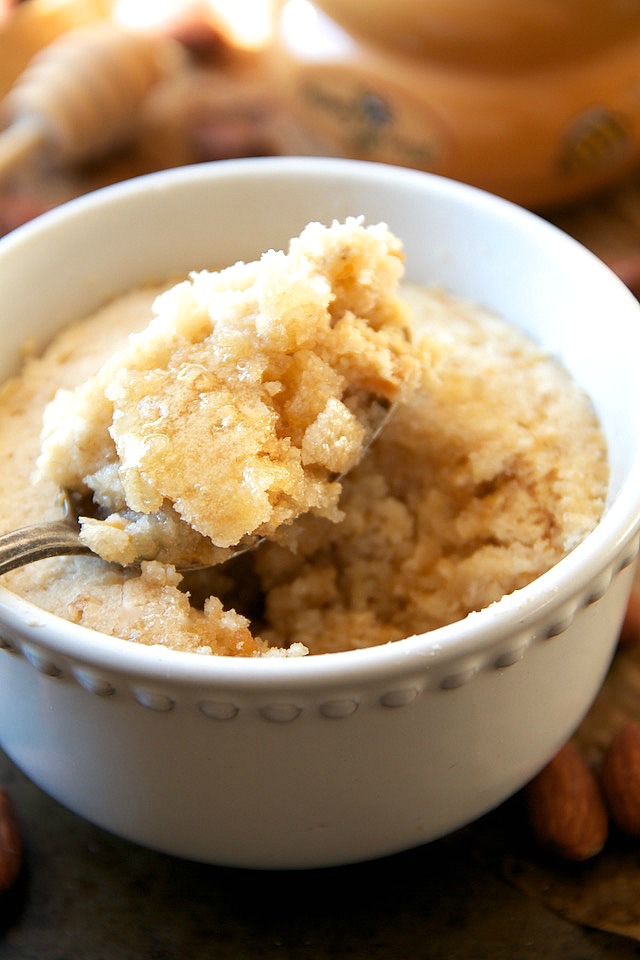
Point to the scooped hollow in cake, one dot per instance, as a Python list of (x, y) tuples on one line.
[(242, 403)]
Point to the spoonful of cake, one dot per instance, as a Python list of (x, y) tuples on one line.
[(240, 407)]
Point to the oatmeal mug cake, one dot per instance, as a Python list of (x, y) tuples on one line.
[(238, 404)]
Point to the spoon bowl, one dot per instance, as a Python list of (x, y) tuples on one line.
[(57, 538)]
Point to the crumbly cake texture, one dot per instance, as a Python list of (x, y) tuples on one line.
[(487, 474), (234, 411)]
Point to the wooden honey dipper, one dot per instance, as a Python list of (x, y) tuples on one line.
[(79, 96)]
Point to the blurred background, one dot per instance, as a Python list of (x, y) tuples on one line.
[(537, 101)]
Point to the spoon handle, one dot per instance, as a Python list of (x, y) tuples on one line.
[(38, 541)]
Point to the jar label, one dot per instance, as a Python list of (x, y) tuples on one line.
[(370, 121)]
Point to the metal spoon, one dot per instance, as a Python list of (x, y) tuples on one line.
[(56, 538), (53, 538)]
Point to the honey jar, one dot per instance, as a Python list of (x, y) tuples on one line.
[(537, 101)]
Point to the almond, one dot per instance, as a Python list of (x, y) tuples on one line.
[(630, 632), (620, 776), (10, 843), (566, 808)]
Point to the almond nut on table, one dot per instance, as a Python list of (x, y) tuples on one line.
[(10, 843), (566, 809), (620, 777), (630, 632)]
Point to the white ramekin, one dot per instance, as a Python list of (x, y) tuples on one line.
[(330, 759)]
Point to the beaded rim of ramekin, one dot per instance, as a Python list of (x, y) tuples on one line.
[(159, 678)]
